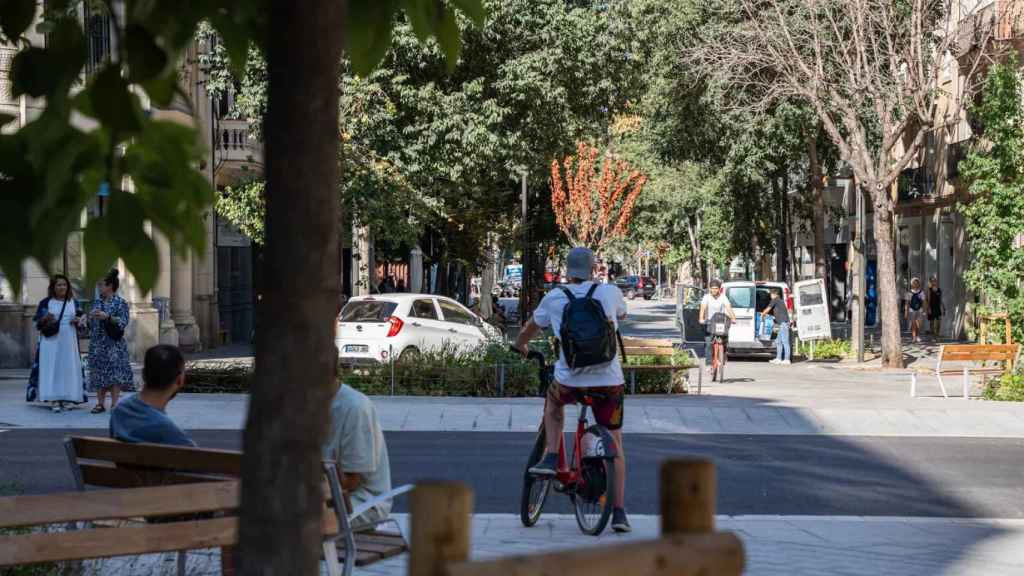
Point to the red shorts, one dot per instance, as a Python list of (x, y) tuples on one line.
[(607, 411)]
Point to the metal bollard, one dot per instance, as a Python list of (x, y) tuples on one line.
[(913, 384), (967, 382)]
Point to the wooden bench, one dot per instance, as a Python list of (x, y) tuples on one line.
[(107, 523), (107, 463), (659, 348), (995, 359), (688, 546)]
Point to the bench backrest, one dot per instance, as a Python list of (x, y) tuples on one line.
[(648, 347), (978, 352), (109, 463)]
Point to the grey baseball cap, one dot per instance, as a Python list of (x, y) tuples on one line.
[(579, 264)]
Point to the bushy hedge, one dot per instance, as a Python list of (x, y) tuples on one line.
[(489, 371), (825, 349), (1008, 388)]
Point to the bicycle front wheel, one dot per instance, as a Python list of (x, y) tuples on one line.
[(535, 490), (594, 496)]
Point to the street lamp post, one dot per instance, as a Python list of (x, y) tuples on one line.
[(524, 299)]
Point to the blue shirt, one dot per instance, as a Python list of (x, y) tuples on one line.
[(135, 421)]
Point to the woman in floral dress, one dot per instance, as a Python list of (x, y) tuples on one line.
[(109, 366)]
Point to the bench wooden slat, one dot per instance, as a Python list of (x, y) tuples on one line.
[(114, 477), (127, 541), (646, 343), (629, 367), (118, 504), (649, 351), (206, 460)]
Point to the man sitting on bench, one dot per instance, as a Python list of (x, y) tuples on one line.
[(356, 441), (142, 417)]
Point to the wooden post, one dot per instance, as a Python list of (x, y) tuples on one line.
[(688, 493), (440, 518)]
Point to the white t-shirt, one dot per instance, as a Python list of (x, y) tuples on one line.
[(549, 314), (714, 306), (357, 440)]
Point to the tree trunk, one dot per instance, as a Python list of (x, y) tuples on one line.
[(818, 196), (294, 375), (892, 349)]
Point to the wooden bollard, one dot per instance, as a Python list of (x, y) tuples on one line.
[(440, 517), (688, 493)]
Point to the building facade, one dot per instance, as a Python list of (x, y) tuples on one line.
[(199, 301)]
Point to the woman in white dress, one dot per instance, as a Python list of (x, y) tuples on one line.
[(60, 366)]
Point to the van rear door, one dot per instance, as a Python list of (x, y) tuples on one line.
[(743, 299), (688, 313)]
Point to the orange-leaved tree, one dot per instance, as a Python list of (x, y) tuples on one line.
[(594, 205)]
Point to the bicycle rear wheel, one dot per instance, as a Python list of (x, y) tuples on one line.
[(535, 490), (594, 496)]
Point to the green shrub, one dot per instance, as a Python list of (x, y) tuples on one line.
[(825, 349), (1008, 388), (217, 378)]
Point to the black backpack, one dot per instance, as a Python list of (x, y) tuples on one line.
[(587, 337), (915, 301)]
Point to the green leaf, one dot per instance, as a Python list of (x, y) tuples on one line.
[(101, 250), (16, 16), (146, 60), (368, 34), (144, 262), (34, 71), (473, 9), (236, 39), (161, 90), (449, 38), (114, 105), (423, 15)]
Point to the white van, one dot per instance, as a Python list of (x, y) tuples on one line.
[(747, 299)]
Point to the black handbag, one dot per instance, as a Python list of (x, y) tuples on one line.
[(113, 329), (50, 329)]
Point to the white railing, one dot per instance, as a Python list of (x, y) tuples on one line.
[(234, 143)]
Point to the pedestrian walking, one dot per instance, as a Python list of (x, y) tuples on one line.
[(783, 347), (915, 310), (936, 308), (60, 366), (109, 367)]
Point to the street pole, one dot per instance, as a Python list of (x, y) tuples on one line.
[(524, 285), (860, 284)]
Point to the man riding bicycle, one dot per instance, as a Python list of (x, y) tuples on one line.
[(570, 384), (711, 305)]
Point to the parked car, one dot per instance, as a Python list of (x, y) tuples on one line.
[(633, 286), (379, 327), (747, 299)]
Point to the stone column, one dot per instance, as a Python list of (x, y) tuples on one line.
[(168, 333), (144, 328), (204, 289), (181, 301), (416, 270)]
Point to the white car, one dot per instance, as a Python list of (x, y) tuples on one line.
[(381, 327)]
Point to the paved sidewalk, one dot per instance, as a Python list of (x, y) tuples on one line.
[(757, 398), (775, 545)]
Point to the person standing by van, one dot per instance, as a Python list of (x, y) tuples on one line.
[(777, 308), (713, 303)]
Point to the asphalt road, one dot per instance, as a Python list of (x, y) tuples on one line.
[(806, 475)]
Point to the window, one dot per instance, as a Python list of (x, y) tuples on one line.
[(455, 313), (97, 33), (741, 297), (367, 311), (424, 309)]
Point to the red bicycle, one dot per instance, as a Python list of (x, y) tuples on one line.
[(587, 476)]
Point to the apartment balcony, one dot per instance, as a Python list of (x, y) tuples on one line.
[(998, 21), (238, 155)]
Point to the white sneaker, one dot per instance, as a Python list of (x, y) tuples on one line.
[(774, 361), (784, 362)]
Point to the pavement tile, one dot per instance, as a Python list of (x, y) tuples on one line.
[(700, 421)]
